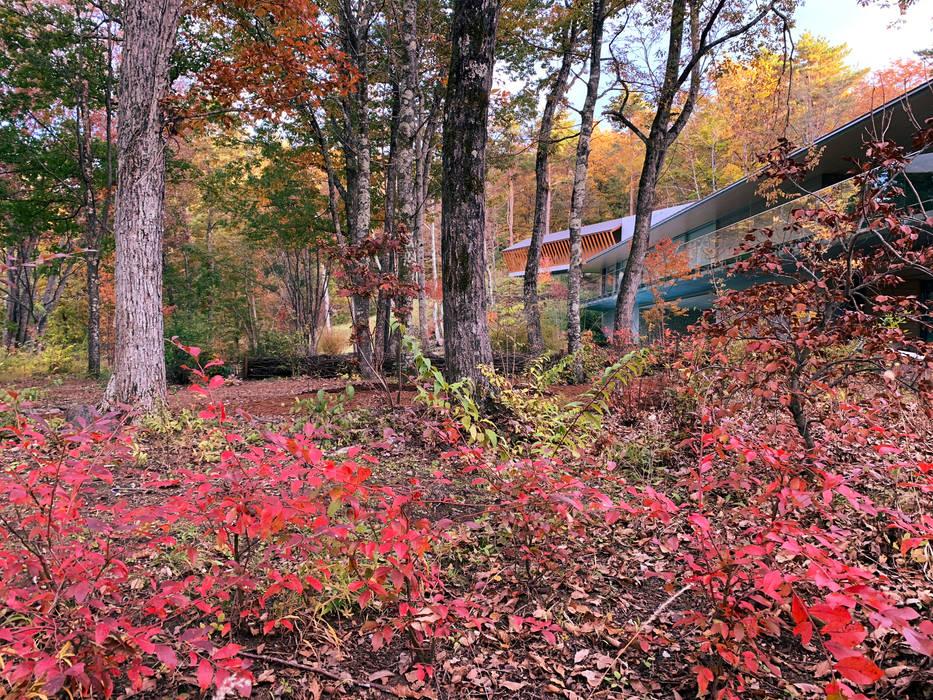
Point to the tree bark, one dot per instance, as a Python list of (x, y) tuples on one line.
[(382, 339), (425, 155), (139, 355), (463, 253), (422, 180), (95, 220), (407, 128), (354, 31), (641, 241), (93, 313), (438, 338), (578, 194), (510, 214), (541, 221)]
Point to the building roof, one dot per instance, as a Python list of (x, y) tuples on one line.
[(838, 147), (626, 224)]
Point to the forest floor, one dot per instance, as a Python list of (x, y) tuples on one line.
[(588, 618), (264, 400)]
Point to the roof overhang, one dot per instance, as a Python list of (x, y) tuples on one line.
[(896, 121)]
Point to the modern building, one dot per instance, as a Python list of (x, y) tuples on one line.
[(709, 230)]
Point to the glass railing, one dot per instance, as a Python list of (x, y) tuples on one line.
[(591, 287), (721, 246)]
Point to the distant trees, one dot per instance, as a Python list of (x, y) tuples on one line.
[(367, 96), (334, 113), (276, 200), (56, 132)]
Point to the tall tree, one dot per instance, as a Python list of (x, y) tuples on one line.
[(463, 223), (567, 43), (407, 129), (149, 28), (695, 29), (578, 194)]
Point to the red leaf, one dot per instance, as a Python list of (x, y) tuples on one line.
[(805, 631), (797, 609), (166, 655), (831, 614), (770, 583), (205, 674), (101, 632), (851, 636), (704, 677), (226, 652), (700, 521), (859, 670), (920, 643), (216, 381)]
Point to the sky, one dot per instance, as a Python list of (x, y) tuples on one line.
[(867, 31)]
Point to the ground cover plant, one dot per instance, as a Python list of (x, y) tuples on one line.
[(429, 562)]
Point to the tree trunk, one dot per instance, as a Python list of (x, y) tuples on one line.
[(641, 241), (436, 316), (422, 175), (425, 154), (407, 127), (93, 313), (95, 223), (541, 221), (139, 356), (510, 215), (354, 33), (463, 253), (388, 263), (665, 128), (578, 194)]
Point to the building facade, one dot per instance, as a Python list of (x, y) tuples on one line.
[(707, 232)]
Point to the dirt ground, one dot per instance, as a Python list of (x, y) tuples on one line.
[(266, 399), (261, 399)]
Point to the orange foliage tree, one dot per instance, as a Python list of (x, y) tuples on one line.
[(665, 265)]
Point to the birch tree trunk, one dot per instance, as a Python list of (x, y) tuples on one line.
[(422, 177), (139, 355), (463, 253), (578, 194), (425, 155), (382, 338), (436, 315)]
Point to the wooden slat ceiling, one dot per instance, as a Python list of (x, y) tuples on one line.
[(557, 253)]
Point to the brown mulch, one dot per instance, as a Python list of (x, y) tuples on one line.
[(263, 399)]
